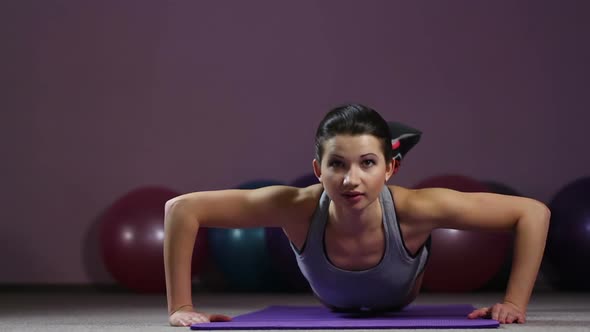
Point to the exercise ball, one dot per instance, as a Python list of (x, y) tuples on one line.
[(462, 260), (305, 181), (568, 241), (131, 239), (284, 261), (500, 188), (282, 257), (241, 254), (255, 184)]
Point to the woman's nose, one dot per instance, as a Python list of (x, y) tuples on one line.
[(352, 177)]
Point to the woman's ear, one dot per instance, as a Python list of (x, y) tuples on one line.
[(317, 169), (396, 165), (392, 168)]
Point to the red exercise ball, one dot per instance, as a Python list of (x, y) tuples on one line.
[(462, 260), (132, 240)]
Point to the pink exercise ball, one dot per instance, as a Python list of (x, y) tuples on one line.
[(132, 240), (463, 260)]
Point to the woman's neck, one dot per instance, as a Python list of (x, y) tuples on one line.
[(348, 221)]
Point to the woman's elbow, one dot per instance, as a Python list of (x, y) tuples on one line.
[(172, 204), (541, 211), (176, 216), (536, 216)]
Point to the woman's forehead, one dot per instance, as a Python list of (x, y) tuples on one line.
[(349, 144)]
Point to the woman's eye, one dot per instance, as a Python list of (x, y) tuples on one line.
[(368, 162), (335, 163)]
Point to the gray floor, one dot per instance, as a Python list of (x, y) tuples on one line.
[(95, 311)]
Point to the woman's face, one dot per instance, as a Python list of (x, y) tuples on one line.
[(353, 170)]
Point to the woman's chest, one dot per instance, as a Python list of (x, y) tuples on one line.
[(356, 252)]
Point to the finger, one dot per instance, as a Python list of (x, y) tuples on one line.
[(495, 313), (517, 317), (191, 318), (219, 318), (478, 313), (503, 316), (487, 313), (198, 321), (511, 318)]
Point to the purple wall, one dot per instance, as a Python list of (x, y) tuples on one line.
[(102, 97)]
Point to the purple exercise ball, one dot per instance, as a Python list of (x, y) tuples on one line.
[(305, 180), (568, 242)]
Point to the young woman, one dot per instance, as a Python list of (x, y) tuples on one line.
[(361, 244)]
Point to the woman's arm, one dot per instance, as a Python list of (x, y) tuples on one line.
[(180, 232), (446, 208), (529, 245), (270, 206)]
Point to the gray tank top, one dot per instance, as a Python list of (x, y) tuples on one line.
[(383, 287)]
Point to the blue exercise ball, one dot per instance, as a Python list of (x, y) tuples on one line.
[(241, 254), (284, 261)]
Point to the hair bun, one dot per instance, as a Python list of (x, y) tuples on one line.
[(403, 138)]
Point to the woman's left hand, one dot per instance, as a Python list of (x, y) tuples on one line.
[(504, 313)]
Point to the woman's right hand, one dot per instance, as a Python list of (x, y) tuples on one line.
[(187, 317)]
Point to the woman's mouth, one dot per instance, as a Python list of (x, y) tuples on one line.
[(353, 196)]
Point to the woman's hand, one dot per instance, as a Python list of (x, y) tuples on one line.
[(504, 313), (186, 317)]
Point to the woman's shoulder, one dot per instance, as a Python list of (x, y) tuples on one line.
[(304, 207), (401, 198), (399, 193), (309, 197), (294, 203)]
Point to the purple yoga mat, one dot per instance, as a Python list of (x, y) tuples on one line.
[(318, 317)]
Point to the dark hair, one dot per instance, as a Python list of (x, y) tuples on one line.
[(353, 119)]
